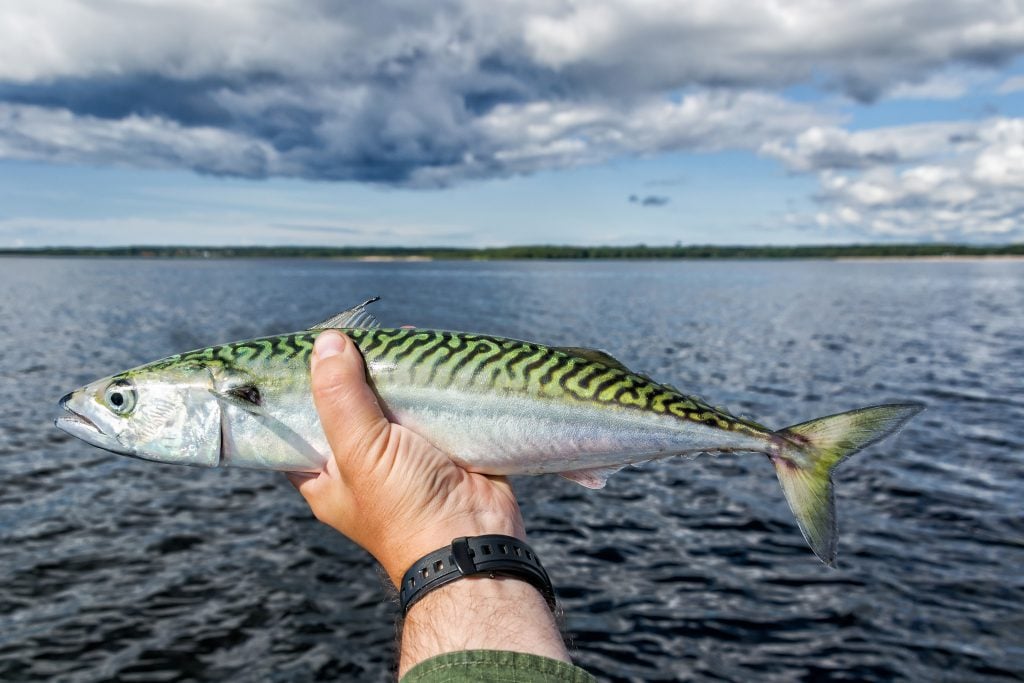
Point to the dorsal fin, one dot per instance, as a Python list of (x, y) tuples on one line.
[(595, 355), (357, 316)]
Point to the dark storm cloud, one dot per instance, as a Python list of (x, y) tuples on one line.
[(427, 94), (110, 97)]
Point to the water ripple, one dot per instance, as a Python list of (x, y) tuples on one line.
[(113, 569)]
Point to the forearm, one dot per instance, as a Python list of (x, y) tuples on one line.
[(480, 613)]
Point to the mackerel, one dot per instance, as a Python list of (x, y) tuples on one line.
[(495, 405)]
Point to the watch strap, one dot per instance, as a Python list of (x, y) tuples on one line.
[(492, 554)]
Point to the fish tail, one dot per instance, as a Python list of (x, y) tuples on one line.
[(807, 454)]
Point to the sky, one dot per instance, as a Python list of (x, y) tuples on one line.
[(457, 123)]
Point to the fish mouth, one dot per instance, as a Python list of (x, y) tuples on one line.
[(72, 420), (81, 427)]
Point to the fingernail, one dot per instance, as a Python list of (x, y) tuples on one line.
[(328, 344)]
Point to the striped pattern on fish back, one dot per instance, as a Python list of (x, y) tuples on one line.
[(476, 362), (248, 354)]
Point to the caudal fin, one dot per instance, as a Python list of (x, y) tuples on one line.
[(810, 452)]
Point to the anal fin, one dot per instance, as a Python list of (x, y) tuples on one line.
[(593, 478)]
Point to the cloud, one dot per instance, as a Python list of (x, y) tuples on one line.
[(523, 138), (649, 200), (429, 94), (922, 186), (860, 49), (31, 132), (309, 227), (397, 147), (831, 148), (220, 228), (1010, 85), (677, 181), (935, 87), (413, 94)]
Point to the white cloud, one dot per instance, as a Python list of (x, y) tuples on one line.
[(924, 187), (862, 48), (218, 228), (659, 43), (181, 39), (819, 147), (935, 87), (1001, 161), (540, 135), (29, 132), (1010, 85), (509, 139), (427, 93)]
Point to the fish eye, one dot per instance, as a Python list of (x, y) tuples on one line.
[(121, 396)]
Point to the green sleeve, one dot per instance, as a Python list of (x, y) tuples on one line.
[(495, 666)]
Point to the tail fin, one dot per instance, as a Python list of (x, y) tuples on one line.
[(804, 465)]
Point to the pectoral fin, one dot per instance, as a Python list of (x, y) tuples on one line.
[(244, 396)]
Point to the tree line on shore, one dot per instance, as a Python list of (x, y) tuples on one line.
[(639, 251)]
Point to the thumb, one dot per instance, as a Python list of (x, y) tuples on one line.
[(349, 412)]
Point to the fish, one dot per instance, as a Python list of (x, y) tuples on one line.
[(495, 405)]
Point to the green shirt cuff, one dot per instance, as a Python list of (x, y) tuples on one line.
[(495, 666)]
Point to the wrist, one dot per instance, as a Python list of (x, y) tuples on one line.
[(478, 589), (468, 556), (481, 613)]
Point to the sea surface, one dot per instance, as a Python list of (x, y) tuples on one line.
[(116, 569)]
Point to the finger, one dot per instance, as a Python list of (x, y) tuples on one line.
[(299, 478), (308, 486), (349, 412)]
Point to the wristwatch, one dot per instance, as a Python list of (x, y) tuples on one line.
[(493, 554)]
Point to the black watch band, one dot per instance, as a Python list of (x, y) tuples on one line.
[(494, 554)]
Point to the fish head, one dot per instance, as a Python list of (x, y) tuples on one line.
[(161, 412)]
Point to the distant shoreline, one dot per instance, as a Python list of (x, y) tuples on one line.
[(858, 252), (374, 259), (933, 259)]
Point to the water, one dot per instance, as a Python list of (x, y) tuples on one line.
[(111, 568)]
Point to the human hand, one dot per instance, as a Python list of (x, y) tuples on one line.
[(387, 488), (395, 494)]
